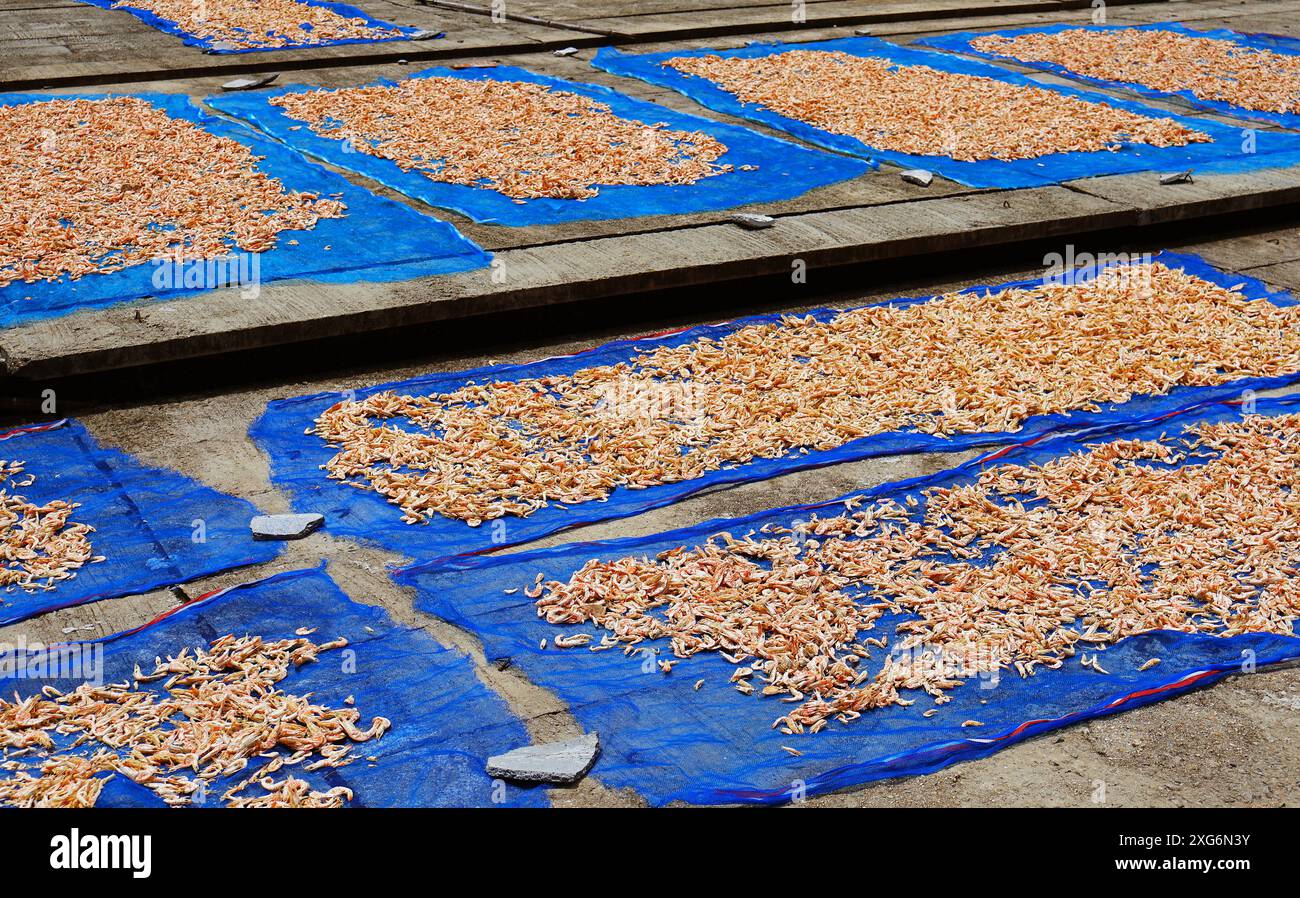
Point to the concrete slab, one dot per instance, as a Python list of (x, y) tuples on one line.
[(147, 333), (80, 45), (669, 19), (872, 218), (1193, 750), (75, 44)]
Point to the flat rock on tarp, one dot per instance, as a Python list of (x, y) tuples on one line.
[(554, 762), (285, 526)]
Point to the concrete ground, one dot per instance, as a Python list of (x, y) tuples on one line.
[(1237, 743), (875, 217)]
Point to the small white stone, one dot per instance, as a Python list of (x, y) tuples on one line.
[(285, 526), (553, 762), (425, 35), (752, 221), (567, 51), (250, 82), (918, 176)]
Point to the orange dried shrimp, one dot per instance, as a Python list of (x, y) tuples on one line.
[(99, 185), (261, 24), (1210, 69), (39, 544), (917, 109), (520, 139), (220, 709), (967, 363), (1026, 567)]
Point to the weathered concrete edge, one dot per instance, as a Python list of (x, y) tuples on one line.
[(287, 313), (567, 35)]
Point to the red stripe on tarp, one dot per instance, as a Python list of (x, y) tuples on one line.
[(1155, 690), (1180, 683), (32, 428), (181, 607)]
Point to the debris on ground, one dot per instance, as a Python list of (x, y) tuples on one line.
[(285, 526), (250, 82), (552, 762), (751, 221)]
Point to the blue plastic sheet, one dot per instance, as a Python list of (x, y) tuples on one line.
[(205, 43), (961, 43), (1224, 154), (377, 239), (361, 514), (154, 527), (445, 722), (784, 169), (671, 742)]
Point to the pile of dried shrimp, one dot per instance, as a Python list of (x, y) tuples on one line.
[(261, 24), (219, 709), (1025, 567), (963, 363), (39, 544), (1210, 69), (520, 139), (917, 109), (99, 185)]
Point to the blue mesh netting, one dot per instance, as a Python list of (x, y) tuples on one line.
[(669, 741), (154, 527), (296, 457), (1224, 154), (960, 43), (445, 722), (192, 40), (377, 240), (784, 170)]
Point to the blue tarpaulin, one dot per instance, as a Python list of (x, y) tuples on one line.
[(1287, 46), (211, 45), (377, 239), (154, 527), (672, 742), (296, 457), (445, 723), (1224, 154), (783, 169)]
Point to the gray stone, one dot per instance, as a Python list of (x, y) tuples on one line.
[(862, 31), (752, 221), (285, 526), (250, 82), (554, 762), (567, 51), (425, 35), (1182, 177), (219, 46), (918, 176)]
